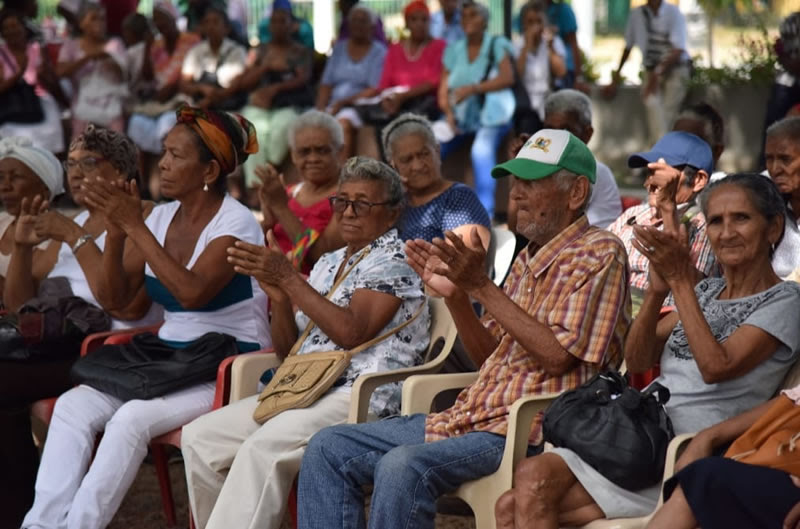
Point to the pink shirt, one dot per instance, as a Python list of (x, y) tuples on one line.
[(31, 75), (398, 70)]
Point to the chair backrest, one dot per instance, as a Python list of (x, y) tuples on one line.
[(501, 253), (443, 331)]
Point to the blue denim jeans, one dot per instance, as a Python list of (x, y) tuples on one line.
[(484, 158), (408, 474)]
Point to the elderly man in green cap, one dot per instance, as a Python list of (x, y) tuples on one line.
[(560, 319)]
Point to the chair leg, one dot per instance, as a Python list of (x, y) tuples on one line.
[(162, 471), (293, 504)]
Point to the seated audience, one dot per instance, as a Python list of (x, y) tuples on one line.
[(278, 83), (211, 66), (691, 156), (153, 118), (239, 472), (411, 71), (703, 120), (355, 65), (724, 350), (446, 23), (178, 255), (539, 59), (551, 329), (26, 171), (782, 153), (301, 215), (464, 97), (96, 153), (95, 66), (301, 31), (24, 60), (435, 205), (344, 33), (719, 493)]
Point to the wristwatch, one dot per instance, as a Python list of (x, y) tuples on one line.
[(83, 239)]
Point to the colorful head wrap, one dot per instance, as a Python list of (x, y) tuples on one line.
[(215, 134), (414, 6), (168, 8), (284, 5), (40, 161), (116, 147)]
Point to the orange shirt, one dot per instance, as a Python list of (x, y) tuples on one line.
[(577, 285)]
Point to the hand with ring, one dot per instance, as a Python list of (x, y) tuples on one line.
[(669, 257)]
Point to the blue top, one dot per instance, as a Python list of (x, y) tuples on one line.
[(462, 72), (561, 14), (440, 29), (457, 206), (348, 77)]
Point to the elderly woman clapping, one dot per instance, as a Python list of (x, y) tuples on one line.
[(378, 293), (725, 350)]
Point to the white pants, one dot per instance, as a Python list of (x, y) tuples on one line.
[(663, 106), (69, 497), (260, 461)]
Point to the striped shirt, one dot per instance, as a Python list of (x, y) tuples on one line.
[(699, 246), (577, 285)]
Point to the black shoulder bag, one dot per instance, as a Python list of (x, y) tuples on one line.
[(525, 119), (621, 432)]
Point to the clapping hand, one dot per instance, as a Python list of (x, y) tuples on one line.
[(463, 266), (272, 193), (25, 229), (267, 264), (419, 257), (668, 254), (119, 202), (663, 182)]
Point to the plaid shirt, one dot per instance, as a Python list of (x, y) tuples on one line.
[(699, 247), (577, 285)]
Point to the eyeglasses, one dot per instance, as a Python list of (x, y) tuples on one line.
[(87, 164), (319, 150), (361, 208)]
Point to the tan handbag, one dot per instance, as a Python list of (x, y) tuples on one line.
[(302, 379)]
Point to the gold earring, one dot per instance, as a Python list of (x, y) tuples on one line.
[(205, 187)]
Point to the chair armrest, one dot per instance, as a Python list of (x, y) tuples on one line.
[(365, 385), (420, 390), (520, 418), (246, 370), (674, 451), (93, 341)]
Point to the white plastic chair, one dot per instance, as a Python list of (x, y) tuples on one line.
[(501, 253)]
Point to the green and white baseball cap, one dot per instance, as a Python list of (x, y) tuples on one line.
[(546, 152)]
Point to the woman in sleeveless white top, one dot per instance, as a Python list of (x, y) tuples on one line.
[(179, 255)]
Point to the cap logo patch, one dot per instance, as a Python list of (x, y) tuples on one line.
[(542, 144)]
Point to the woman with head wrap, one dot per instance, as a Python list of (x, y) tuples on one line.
[(25, 171), (74, 261), (355, 65), (179, 255)]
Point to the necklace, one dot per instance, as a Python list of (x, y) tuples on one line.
[(414, 57)]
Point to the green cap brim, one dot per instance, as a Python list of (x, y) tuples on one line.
[(525, 169)]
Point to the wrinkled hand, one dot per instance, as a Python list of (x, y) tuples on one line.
[(462, 265), (516, 144), (663, 182), (120, 203), (53, 225), (668, 254), (272, 193), (463, 92), (267, 264), (24, 231), (418, 256), (699, 447), (792, 520)]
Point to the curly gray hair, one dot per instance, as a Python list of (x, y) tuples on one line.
[(360, 168)]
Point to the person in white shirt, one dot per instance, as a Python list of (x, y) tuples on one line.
[(658, 29)]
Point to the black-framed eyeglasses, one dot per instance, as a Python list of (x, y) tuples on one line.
[(87, 164), (361, 208)]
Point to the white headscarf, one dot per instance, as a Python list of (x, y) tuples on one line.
[(40, 161)]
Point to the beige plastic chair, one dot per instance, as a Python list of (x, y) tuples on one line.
[(482, 494), (247, 369)]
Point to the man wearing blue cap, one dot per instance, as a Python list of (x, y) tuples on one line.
[(687, 158), (560, 319)]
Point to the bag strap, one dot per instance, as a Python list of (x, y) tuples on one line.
[(491, 59), (223, 57), (366, 345), (338, 282)]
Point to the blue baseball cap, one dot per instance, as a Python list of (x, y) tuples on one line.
[(677, 148)]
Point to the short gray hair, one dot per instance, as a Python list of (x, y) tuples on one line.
[(315, 119), (572, 102), (360, 168), (785, 128), (361, 6), (483, 11), (536, 6), (564, 180), (406, 125)]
